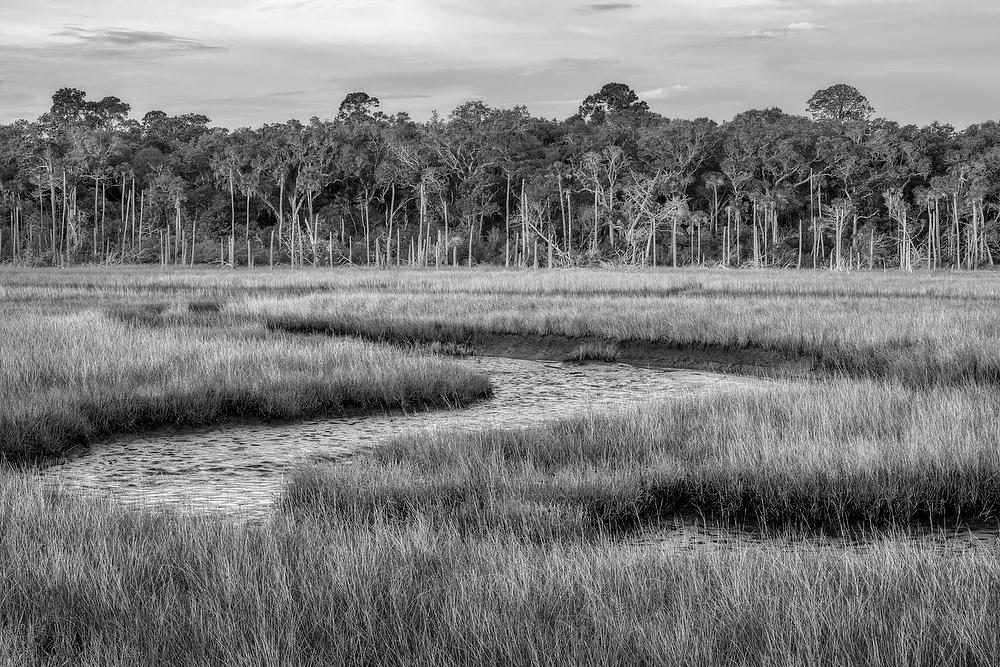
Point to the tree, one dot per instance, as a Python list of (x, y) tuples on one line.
[(839, 102), (87, 182), (357, 106), (612, 98), (71, 107), (675, 150)]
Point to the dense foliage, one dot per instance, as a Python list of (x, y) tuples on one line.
[(615, 183)]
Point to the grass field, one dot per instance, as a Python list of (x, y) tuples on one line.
[(920, 329), (513, 546)]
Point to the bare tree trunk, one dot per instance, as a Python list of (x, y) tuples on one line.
[(391, 216), (104, 207), (52, 207), (799, 264), (63, 237), (142, 213), (249, 256), (366, 219), (958, 235), (506, 251), (281, 212), (597, 219), (652, 234), (524, 221), (562, 212), (698, 229), (131, 206), (569, 222), (673, 241), (421, 244), (194, 234), (232, 221)]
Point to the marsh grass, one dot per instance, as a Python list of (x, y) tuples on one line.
[(916, 342), (503, 547), (606, 351), (131, 281), (835, 457), (922, 329), (938, 331), (87, 583), (67, 380)]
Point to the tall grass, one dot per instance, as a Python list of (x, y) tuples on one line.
[(67, 380), (833, 457), (509, 546), (922, 328), (206, 282), (942, 333), (87, 583)]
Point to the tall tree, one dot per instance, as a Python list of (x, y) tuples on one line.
[(612, 98), (840, 102)]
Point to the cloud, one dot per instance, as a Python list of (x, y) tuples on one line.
[(403, 95), (804, 26), (124, 41), (665, 92), (296, 6), (607, 6), (553, 102), (563, 65), (783, 31)]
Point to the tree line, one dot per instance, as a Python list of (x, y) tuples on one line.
[(615, 184)]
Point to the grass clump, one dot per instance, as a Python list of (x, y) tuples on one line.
[(605, 351)]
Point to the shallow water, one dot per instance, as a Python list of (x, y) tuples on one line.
[(694, 536), (241, 467)]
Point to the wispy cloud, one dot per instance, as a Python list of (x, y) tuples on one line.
[(553, 102), (124, 41), (403, 95), (607, 6), (783, 31), (665, 92)]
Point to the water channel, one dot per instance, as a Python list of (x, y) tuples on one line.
[(240, 468)]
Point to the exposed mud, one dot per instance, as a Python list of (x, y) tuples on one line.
[(643, 353)]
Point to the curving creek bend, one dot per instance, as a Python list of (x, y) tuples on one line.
[(239, 469)]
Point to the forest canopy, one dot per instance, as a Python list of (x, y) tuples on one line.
[(614, 184)]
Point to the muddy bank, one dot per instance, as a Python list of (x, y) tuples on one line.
[(644, 353), (749, 360)]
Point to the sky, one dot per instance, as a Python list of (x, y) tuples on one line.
[(247, 62)]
